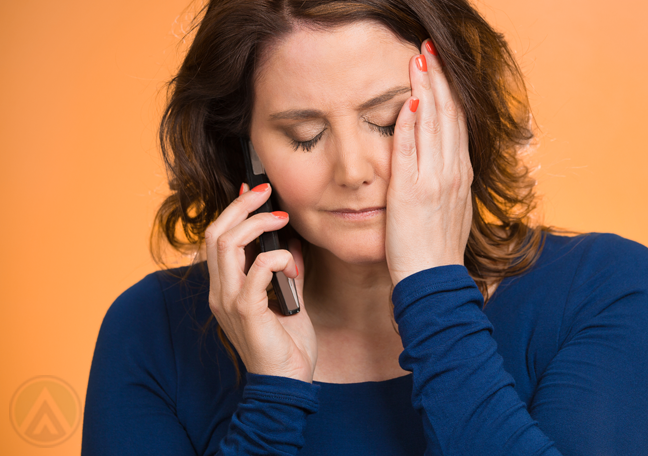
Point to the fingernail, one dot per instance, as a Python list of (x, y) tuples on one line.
[(242, 188), (430, 47), (421, 63), (297, 269), (261, 188), (280, 214), (413, 105)]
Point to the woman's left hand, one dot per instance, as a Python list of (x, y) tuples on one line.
[(429, 207)]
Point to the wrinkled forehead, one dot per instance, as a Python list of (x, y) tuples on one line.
[(335, 66)]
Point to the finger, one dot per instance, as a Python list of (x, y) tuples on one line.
[(428, 127), (295, 248), (446, 107), (464, 148), (237, 211), (230, 253), (251, 252), (404, 157), (253, 298), (463, 153), (464, 159)]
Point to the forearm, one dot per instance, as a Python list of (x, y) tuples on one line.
[(464, 395)]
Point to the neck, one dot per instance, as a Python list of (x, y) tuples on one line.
[(345, 296)]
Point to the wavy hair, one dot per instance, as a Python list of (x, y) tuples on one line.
[(209, 105)]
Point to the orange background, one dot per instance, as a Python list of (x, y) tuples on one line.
[(81, 176)]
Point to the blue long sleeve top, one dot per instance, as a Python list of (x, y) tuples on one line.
[(555, 364)]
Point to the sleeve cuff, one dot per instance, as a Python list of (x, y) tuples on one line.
[(428, 281), (271, 417), (282, 390)]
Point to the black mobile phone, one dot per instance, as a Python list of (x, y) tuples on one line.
[(284, 287)]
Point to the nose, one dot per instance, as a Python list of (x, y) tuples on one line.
[(354, 160)]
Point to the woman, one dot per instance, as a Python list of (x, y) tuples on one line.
[(438, 322)]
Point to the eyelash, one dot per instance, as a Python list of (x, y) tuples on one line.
[(308, 145)]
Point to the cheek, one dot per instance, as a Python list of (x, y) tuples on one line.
[(299, 185), (383, 159)]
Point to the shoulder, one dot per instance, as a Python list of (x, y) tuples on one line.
[(597, 257), (590, 289), (576, 278), (146, 308), (590, 254), (608, 281), (609, 246), (134, 307)]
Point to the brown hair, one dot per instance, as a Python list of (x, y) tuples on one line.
[(210, 104)]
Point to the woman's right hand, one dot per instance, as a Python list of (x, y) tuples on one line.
[(268, 342)]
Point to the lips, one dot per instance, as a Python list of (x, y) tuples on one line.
[(355, 211)]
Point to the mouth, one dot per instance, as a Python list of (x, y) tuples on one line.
[(362, 214), (356, 211)]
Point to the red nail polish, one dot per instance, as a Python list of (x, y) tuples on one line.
[(421, 63), (413, 105), (280, 214), (297, 269), (242, 188), (430, 47), (261, 188)]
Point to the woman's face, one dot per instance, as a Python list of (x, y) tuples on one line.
[(317, 86)]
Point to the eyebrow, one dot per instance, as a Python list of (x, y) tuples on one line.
[(298, 114)]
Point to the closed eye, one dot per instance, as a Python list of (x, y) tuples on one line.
[(308, 145), (384, 131)]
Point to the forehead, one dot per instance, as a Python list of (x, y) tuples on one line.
[(332, 69)]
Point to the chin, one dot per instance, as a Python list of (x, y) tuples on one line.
[(355, 247), (355, 257)]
